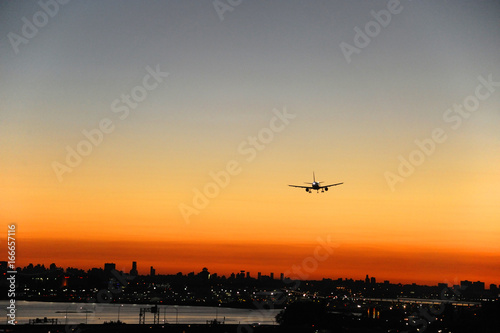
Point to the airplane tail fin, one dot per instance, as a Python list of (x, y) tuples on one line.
[(314, 179)]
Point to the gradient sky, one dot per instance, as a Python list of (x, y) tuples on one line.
[(225, 77)]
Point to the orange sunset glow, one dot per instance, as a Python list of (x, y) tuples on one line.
[(170, 137)]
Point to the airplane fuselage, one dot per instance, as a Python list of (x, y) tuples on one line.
[(315, 186)]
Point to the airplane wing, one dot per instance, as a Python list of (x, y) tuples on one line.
[(326, 186), (300, 186)]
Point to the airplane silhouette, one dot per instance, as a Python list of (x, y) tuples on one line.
[(316, 186)]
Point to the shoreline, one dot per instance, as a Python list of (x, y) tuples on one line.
[(196, 304), (73, 313)]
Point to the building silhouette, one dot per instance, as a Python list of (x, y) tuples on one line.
[(133, 271), (108, 267), (478, 287), (465, 284), (204, 274)]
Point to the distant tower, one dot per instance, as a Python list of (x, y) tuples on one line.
[(133, 271), (272, 276), (282, 276), (367, 279), (152, 271), (259, 275), (373, 280), (204, 274)]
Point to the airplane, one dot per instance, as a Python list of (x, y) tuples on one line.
[(316, 186)]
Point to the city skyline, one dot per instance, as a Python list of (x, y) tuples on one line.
[(99, 294), (241, 274), (167, 132), (295, 274)]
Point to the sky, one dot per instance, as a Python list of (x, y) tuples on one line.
[(167, 132)]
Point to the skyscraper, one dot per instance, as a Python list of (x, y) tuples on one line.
[(133, 271)]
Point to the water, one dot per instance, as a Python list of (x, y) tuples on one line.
[(98, 313)]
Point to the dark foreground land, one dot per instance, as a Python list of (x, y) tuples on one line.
[(110, 328), (233, 328)]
